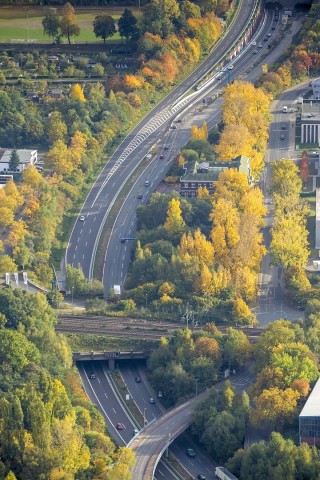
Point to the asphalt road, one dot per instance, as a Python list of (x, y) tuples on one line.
[(82, 242), (117, 256), (141, 393), (150, 443)]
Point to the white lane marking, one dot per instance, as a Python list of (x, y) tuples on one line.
[(114, 410), (74, 255), (76, 247), (98, 379), (86, 244), (95, 218), (100, 207), (89, 231), (105, 395), (122, 265)]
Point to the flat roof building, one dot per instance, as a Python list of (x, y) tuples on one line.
[(27, 158), (309, 418)]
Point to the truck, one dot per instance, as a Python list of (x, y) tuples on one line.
[(223, 474)]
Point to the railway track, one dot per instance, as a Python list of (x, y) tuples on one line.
[(124, 327)]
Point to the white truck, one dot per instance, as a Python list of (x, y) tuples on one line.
[(224, 474)]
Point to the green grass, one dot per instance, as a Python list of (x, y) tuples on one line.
[(100, 343), (18, 26)]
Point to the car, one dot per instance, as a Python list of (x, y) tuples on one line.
[(273, 28), (120, 426), (190, 452), (292, 110), (223, 69), (40, 162), (281, 137), (92, 376), (147, 183), (269, 46), (265, 39), (254, 43), (123, 240), (173, 127), (151, 400), (140, 196), (148, 155), (230, 67), (166, 147), (161, 156), (135, 431), (179, 120), (160, 394), (283, 127), (201, 477), (269, 34), (255, 52), (138, 380), (260, 45), (82, 218)]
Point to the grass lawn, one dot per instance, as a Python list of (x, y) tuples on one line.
[(18, 24)]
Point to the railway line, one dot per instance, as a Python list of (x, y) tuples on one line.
[(130, 327)]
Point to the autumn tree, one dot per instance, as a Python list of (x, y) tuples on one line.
[(68, 24), (57, 128), (304, 167), (104, 26), (174, 222), (199, 133), (275, 407), (77, 93)]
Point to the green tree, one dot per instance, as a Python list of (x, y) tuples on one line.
[(69, 25), (51, 23), (127, 25), (14, 160), (104, 26)]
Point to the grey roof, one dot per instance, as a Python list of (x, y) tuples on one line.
[(24, 155), (312, 405)]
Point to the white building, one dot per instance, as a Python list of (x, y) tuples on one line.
[(310, 122), (27, 158)]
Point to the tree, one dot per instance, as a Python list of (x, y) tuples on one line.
[(14, 160), (57, 129), (77, 93), (274, 406), (127, 25), (104, 26), (69, 25), (51, 23), (174, 222), (304, 167)]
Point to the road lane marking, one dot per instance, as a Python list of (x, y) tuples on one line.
[(105, 395), (114, 410), (95, 218)]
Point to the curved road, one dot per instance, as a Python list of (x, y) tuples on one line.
[(82, 244)]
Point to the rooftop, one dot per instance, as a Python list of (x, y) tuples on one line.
[(312, 405), (24, 155)]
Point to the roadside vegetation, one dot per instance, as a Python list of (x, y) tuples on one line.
[(48, 427)]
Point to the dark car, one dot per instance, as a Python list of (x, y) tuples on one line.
[(166, 147), (201, 477), (120, 426), (283, 127), (281, 137), (161, 156), (123, 240), (92, 376), (151, 400), (190, 452), (138, 380), (140, 196), (173, 127)]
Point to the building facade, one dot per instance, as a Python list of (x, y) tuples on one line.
[(206, 174), (27, 158), (309, 418)]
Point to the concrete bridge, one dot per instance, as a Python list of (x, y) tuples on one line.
[(111, 357)]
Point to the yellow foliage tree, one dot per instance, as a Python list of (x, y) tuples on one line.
[(203, 193), (196, 246), (231, 185), (235, 140), (241, 311), (17, 233), (274, 406), (77, 93), (174, 222), (199, 133), (133, 82)]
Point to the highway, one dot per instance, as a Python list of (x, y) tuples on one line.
[(168, 427), (96, 208)]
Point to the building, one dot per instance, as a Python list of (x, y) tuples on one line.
[(310, 122), (315, 84), (27, 158), (206, 174), (309, 418)]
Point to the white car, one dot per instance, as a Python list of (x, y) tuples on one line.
[(254, 43), (82, 218), (230, 67)]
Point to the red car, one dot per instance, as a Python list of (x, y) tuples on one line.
[(120, 426)]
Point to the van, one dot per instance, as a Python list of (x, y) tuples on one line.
[(284, 109)]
